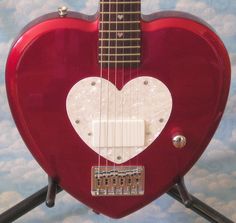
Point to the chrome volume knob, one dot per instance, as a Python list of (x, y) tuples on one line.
[(179, 141)]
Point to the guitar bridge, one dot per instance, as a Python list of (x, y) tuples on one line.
[(117, 180)]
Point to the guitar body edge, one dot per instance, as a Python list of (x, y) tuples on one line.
[(52, 54)]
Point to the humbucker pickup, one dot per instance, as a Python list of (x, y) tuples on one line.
[(117, 180)]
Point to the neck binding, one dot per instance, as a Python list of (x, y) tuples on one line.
[(119, 33)]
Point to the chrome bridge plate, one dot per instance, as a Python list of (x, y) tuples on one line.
[(117, 180)]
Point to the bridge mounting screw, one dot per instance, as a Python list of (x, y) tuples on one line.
[(63, 11), (179, 141)]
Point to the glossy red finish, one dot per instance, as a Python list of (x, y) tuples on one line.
[(54, 53)]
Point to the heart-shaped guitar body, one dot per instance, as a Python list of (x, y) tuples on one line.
[(54, 88)]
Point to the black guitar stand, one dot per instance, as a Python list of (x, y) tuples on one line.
[(48, 195), (180, 193)]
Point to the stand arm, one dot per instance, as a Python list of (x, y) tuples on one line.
[(196, 205), (30, 203), (51, 192), (185, 196)]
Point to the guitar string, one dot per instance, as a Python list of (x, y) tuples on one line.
[(138, 74), (130, 76), (116, 28), (137, 118), (108, 85), (101, 26), (123, 76)]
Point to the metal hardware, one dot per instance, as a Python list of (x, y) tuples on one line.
[(179, 141), (120, 61), (115, 39), (145, 82), (119, 54), (119, 22), (63, 11), (119, 47), (119, 157), (118, 2), (119, 31), (127, 13), (117, 181)]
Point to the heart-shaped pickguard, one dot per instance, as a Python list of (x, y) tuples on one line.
[(119, 125)]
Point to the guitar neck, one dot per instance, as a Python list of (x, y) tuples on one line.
[(119, 33)]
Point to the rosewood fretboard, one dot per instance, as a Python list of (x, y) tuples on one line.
[(119, 33)]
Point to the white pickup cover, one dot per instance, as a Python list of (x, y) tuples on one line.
[(118, 133)]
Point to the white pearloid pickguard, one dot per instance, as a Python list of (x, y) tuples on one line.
[(97, 110)]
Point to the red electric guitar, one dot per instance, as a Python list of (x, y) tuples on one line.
[(117, 107)]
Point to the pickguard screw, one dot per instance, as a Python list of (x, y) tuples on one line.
[(63, 11), (77, 121), (90, 133), (145, 82), (119, 157), (179, 141), (93, 83), (161, 120)]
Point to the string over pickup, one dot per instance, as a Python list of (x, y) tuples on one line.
[(117, 180)]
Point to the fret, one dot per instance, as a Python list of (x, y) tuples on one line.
[(120, 47), (129, 13), (134, 2), (120, 26), (120, 8), (121, 39), (119, 43), (119, 54), (120, 22), (120, 31), (120, 17), (116, 50), (118, 57), (120, 61)]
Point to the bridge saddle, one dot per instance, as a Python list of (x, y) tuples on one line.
[(117, 180)]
